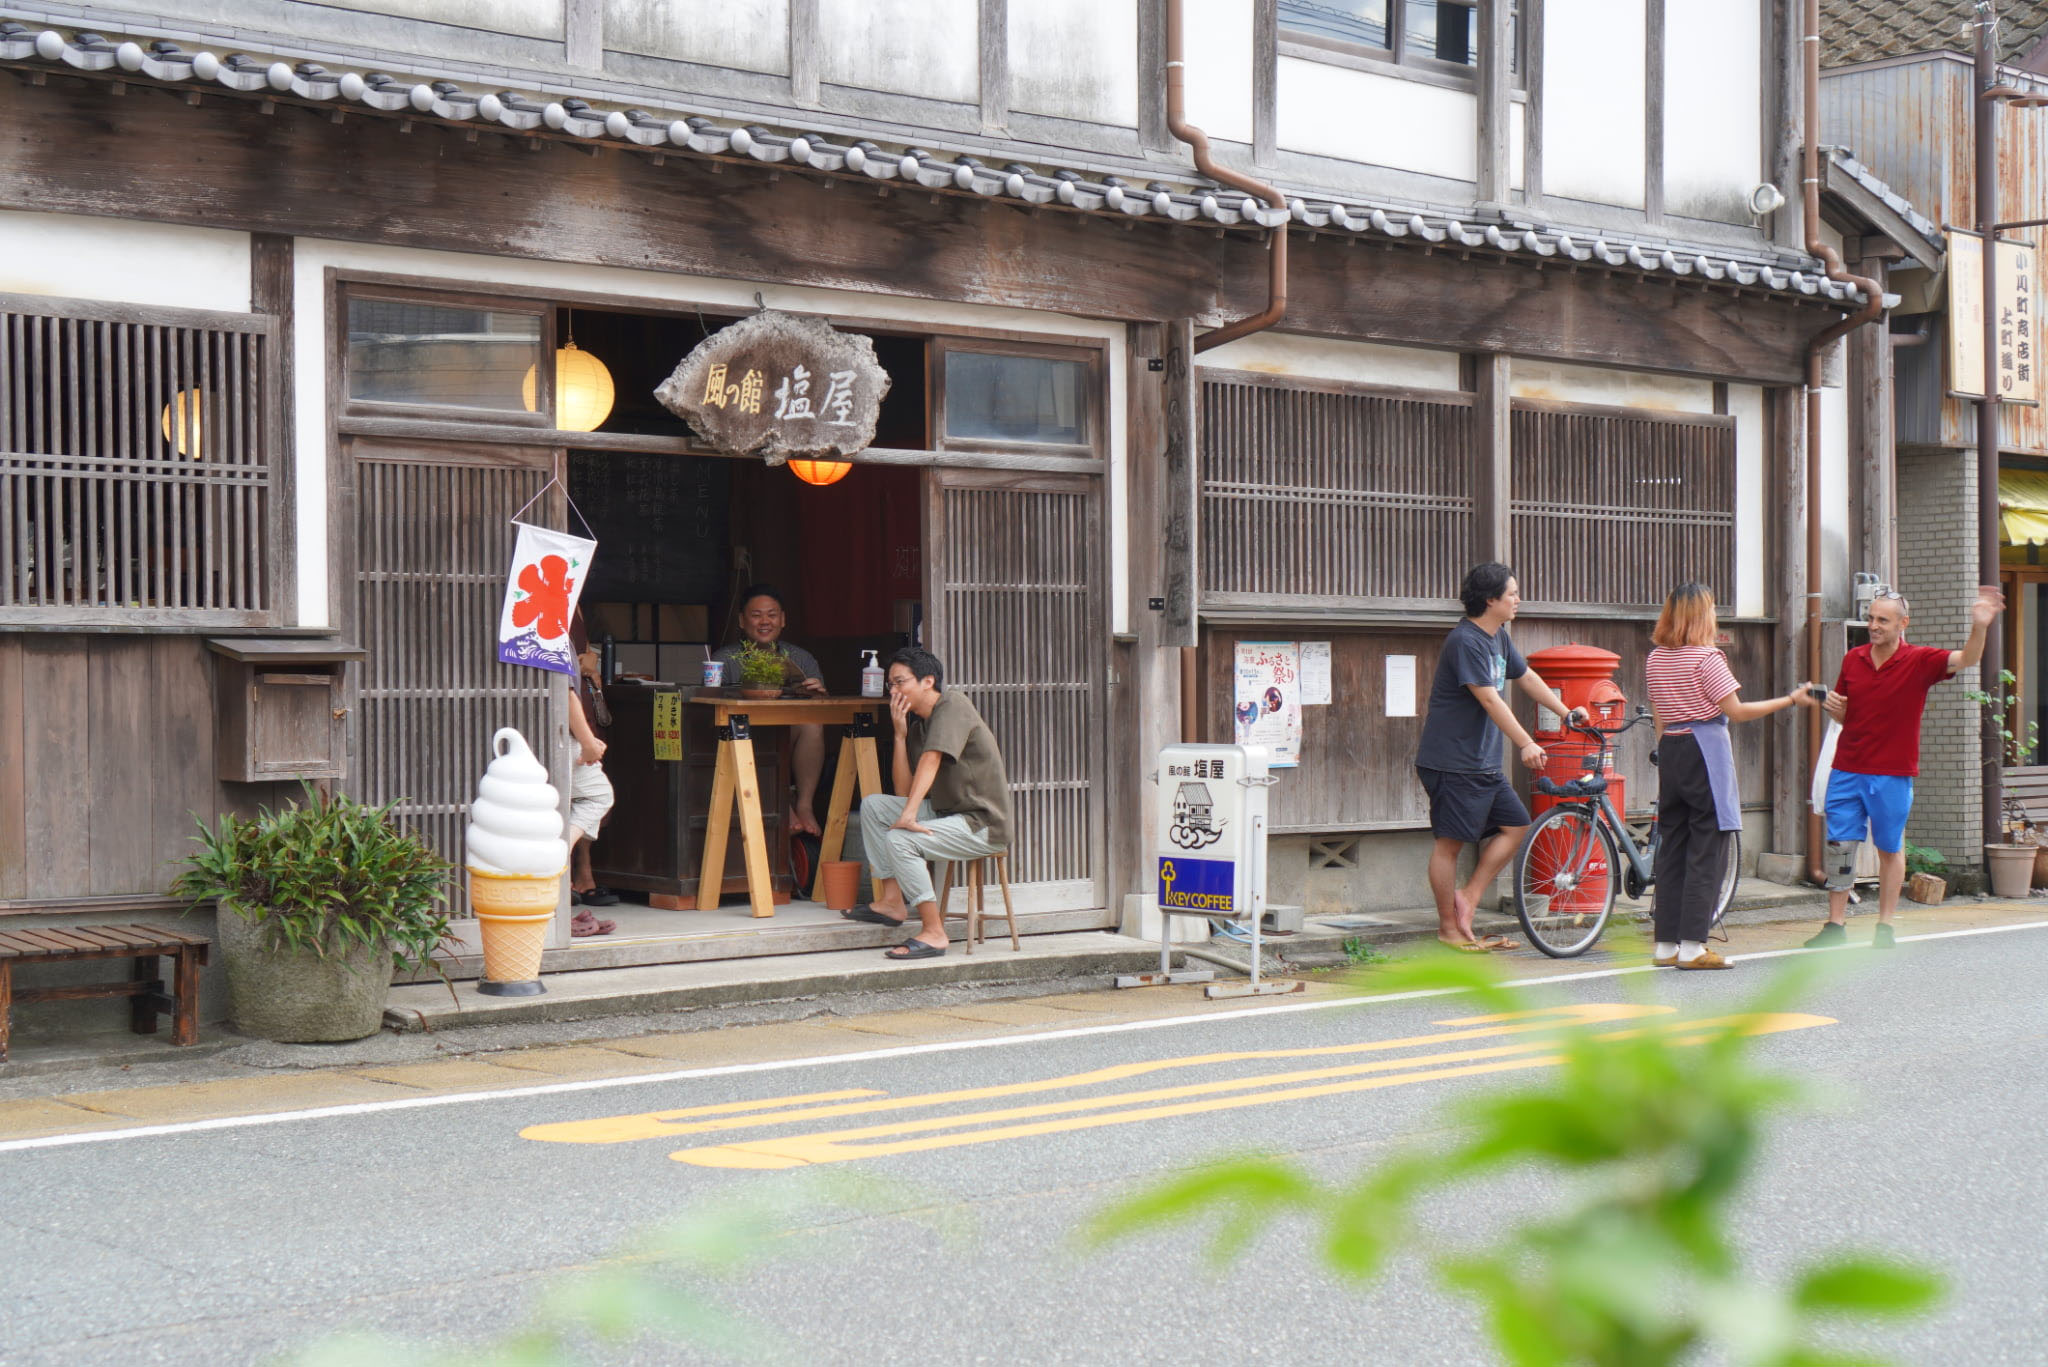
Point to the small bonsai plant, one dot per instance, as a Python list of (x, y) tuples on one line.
[(323, 876), (759, 666)]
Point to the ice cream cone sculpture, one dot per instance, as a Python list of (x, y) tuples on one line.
[(516, 858)]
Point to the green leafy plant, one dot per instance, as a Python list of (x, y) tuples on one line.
[(324, 874), (2015, 747), (759, 666), (1364, 953), (1921, 859), (1654, 1130)]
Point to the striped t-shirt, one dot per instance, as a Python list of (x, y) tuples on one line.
[(1687, 684)]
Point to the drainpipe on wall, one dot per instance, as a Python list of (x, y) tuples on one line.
[(1873, 306), (1276, 289)]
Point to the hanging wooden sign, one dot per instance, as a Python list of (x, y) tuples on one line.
[(778, 385)]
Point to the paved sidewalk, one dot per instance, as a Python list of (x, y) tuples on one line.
[(255, 1078)]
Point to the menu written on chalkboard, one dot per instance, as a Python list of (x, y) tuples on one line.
[(661, 521)]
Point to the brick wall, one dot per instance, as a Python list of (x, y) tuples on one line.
[(1937, 572)]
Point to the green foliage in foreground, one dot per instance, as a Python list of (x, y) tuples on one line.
[(1656, 1130)]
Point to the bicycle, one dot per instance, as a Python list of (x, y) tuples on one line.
[(1565, 882)]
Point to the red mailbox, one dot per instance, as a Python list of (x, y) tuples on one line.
[(1583, 677)]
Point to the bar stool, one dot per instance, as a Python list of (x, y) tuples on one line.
[(973, 875)]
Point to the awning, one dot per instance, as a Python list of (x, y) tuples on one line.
[(2023, 506)]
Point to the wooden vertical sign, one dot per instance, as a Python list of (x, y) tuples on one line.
[(1180, 490)]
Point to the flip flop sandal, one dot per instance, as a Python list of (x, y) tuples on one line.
[(867, 915), (914, 949), (1462, 946), (1498, 943), (583, 925)]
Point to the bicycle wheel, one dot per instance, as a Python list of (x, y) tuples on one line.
[(1565, 881), (1731, 874)]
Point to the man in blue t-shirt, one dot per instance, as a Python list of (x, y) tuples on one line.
[(1458, 760)]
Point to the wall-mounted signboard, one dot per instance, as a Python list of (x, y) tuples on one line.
[(2017, 365)]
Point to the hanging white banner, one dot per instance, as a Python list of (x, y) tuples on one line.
[(541, 589)]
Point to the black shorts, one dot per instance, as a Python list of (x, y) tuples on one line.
[(1470, 806)]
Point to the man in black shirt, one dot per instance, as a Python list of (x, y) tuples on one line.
[(1458, 760)]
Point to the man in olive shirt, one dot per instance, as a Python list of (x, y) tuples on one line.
[(953, 803)]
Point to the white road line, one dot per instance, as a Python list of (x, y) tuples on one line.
[(237, 1122)]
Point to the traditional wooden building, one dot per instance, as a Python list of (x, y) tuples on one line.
[(282, 282)]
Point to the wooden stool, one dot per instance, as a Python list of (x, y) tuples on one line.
[(976, 876)]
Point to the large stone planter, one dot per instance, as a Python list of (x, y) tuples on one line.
[(296, 997)]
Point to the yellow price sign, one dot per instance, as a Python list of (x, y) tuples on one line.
[(668, 726)]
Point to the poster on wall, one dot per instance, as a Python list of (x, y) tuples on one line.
[(541, 589), (1268, 699)]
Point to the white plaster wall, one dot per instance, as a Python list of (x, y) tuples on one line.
[(1713, 107), (526, 18), (1218, 39), (1334, 111), (124, 261), (750, 35), (1593, 109), (1613, 388), (914, 47), (1317, 358), (1835, 540), (1752, 489), (312, 259), (1075, 59)]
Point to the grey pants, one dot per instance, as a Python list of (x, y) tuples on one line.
[(902, 855)]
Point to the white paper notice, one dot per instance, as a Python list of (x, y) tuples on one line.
[(1400, 685), (1315, 673)]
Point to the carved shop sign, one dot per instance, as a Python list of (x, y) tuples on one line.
[(778, 385)]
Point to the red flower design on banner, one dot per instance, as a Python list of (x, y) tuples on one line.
[(546, 586)]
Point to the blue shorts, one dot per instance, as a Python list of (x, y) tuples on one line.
[(1881, 800)]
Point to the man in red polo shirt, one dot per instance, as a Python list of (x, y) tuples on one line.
[(1878, 700)]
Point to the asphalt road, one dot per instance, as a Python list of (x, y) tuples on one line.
[(447, 1221)]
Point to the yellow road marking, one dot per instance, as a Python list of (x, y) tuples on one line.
[(844, 1145), (653, 1124)]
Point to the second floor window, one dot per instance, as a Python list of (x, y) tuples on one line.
[(1440, 33)]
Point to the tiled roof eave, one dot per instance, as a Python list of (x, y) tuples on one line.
[(166, 63)]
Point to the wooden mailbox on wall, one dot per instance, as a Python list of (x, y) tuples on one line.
[(280, 709)]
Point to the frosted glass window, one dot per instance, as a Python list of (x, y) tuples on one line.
[(402, 351), (1016, 398)]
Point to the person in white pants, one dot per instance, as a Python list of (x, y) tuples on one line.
[(952, 801)]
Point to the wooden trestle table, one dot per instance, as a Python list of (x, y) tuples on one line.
[(735, 783)]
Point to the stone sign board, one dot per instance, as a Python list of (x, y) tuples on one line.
[(778, 385)]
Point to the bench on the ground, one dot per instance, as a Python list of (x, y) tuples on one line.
[(2026, 787), (144, 987)]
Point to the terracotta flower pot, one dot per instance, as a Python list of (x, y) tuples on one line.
[(839, 883), (760, 694), (2011, 868), (2041, 866)]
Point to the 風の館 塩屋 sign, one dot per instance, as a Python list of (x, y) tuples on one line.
[(1211, 819), (779, 385)]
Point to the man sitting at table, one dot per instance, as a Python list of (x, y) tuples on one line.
[(952, 802)]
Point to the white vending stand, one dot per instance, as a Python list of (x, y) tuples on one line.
[(1209, 856)]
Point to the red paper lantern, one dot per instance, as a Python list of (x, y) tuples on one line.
[(820, 471)]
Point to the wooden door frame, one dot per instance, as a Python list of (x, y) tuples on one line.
[(937, 480), (552, 461)]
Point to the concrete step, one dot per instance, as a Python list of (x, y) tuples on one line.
[(1049, 961)]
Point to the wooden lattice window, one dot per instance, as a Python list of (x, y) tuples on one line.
[(1615, 508), (1330, 493), (137, 471)]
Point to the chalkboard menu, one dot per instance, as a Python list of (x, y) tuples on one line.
[(660, 523)]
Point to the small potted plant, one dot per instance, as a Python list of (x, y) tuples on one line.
[(1926, 873), (760, 669), (2010, 866), (317, 903)]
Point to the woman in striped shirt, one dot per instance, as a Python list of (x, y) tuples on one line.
[(1693, 693)]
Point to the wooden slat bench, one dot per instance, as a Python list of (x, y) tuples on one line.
[(144, 988), (2027, 788)]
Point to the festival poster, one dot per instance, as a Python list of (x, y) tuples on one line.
[(546, 579), (1268, 699)]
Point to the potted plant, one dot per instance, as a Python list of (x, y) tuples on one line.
[(2010, 866), (760, 669), (1926, 873), (317, 904)]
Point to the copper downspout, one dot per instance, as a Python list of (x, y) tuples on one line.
[(1873, 306), (1276, 287), (1178, 125)]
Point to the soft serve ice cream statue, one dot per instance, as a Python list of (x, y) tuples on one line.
[(515, 824)]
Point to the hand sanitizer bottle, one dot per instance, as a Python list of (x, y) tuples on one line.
[(871, 677)]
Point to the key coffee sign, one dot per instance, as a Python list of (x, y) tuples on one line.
[(778, 385)]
